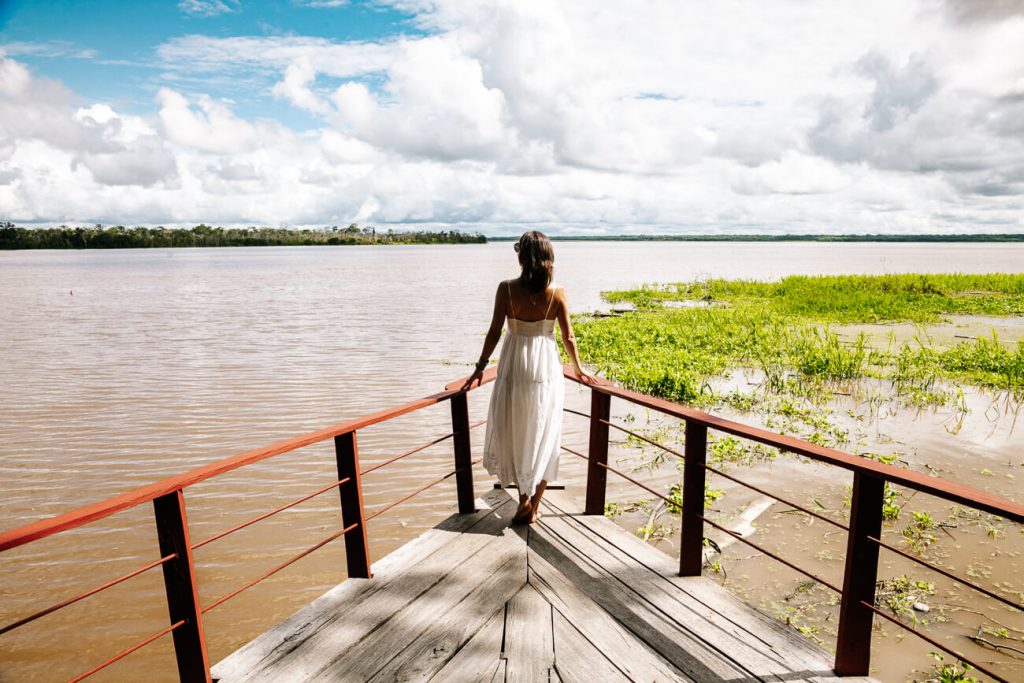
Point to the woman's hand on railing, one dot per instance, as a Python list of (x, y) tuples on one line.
[(477, 376), (584, 376)]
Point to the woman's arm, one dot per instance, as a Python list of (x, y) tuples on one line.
[(568, 336), (491, 340)]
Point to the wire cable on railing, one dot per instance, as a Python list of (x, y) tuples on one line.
[(272, 512), (406, 454), (627, 431), (778, 498), (770, 554), (91, 591), (717, 526), (418, 491), (643, 438), (416, 450), (279, 567), (727, 476), (624, 476), (125, 653), (932, 641), (947, 574)]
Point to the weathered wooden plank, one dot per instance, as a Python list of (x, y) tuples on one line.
[(615, 567), (358, 605), (686, 651), (477, 659), (445, 617), (702, 594), (411, 600), (529, 639), (637, 660), (577, 660), (499, 673)]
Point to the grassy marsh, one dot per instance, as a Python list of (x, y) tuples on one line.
[(784, 329), (914, 371)]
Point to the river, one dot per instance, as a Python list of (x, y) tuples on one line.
[(122, 367)]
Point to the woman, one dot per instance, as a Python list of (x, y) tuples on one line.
[(524, 422)]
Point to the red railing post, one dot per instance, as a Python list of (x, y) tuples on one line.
[(180, 584), (357, 551), (597, 476), (853, 647), (691, 540), (463, 457)]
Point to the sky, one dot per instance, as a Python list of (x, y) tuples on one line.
[(570, 116)]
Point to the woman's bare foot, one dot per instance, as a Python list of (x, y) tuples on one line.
[(535, 515), (524, 514)]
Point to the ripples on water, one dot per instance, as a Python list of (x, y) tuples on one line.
[(124, 367)]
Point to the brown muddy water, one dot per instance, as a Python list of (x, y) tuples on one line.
[(123, 367)]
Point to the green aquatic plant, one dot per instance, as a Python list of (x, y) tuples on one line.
[(949, 673), (675, 494), (820, 353), (782, 331), (853, 298), (918, 532)]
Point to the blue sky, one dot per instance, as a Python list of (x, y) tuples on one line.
[(577, 116), (105, 50)]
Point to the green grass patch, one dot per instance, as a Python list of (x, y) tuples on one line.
[(782, 329), (850, 298)]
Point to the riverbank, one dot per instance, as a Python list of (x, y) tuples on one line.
[(919, 371), (13, 237)]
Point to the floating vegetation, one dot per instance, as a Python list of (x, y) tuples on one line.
[(903, 596), (784, 355), (949, 673), (783, 329)]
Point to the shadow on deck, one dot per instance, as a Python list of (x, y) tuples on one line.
[(572, 598)]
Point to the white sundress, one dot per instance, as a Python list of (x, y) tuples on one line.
[(524, 421)]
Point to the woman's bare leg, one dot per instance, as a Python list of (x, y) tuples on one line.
[(535, 502), (524, 512)]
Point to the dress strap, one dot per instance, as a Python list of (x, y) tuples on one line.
[(511, 310), (554, 289)]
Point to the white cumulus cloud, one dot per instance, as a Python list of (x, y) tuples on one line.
[(569, 114)]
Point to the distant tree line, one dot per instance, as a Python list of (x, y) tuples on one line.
[(978, 237), (120, 237)]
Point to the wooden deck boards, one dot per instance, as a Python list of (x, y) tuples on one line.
[(571, 598)]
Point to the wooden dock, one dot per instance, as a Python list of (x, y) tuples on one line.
[(571, 598)]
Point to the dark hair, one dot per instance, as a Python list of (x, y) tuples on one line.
[(537, 259)]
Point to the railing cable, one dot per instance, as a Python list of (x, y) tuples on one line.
[(91, 591), (778, 498), (124, 653), (717, 526), (272, 512), (416, 450), (279, 567), (932, 641), (626, 477), (945, 573), (770, 554), (418, 491)]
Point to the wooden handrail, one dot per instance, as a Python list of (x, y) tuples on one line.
[(96, 511), (941, 488), (853, 649)]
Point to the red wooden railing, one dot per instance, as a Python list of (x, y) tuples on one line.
[(857, 602), (176, 545), (185, 612)]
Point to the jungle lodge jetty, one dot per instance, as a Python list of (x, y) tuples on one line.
[(572, 598)]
